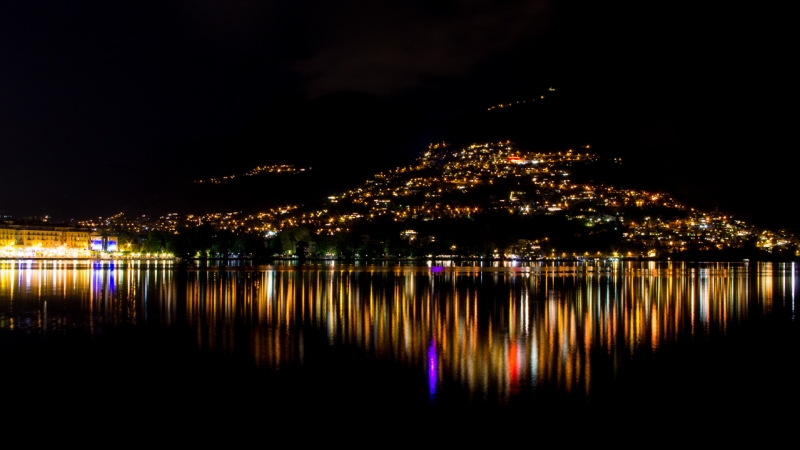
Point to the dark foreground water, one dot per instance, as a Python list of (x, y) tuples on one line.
[(627, 342)]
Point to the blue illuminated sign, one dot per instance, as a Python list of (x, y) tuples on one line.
[(96, 244)]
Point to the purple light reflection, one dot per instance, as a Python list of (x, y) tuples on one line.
[(433, 368)]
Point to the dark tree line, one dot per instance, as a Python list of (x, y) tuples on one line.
[(201, 241), (485, 235)]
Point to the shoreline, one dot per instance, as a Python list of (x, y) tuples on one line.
[(81, 258), (401, 260)]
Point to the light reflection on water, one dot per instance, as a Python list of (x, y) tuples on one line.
[(494, 331)]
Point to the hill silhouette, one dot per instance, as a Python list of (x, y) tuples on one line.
[(347, 137)]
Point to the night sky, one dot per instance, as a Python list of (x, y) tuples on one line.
[(110, 106)]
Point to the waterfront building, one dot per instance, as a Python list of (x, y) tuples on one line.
[(40, 239)]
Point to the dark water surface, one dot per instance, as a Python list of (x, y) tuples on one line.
[(531, 341)]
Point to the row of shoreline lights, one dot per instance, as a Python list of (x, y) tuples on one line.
[(11, 250)]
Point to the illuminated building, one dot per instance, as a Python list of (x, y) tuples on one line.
[(101, 242), (40, 239)]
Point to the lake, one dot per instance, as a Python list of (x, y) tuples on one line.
[(514, 339)]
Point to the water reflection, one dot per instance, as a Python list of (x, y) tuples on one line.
[(41, 297), (494, 331)]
